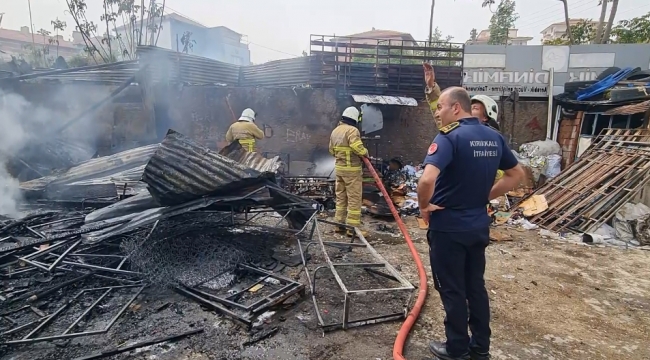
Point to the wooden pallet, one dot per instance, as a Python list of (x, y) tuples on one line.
[(591, 190)]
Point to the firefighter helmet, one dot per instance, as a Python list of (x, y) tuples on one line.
[(248, 115), (491, 108)]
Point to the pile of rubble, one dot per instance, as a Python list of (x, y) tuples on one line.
[(101, 238)]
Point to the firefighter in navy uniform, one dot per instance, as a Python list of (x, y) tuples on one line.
[(245, 131), (346, 146), (457, 183)]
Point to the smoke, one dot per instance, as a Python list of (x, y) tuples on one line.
[(324, 166), (13, 137), (27, 144)]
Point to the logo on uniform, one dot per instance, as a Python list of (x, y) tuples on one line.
[(432, 149)]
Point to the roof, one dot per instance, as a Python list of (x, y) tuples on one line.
[(177, 17), (630, 109), (571, 22), (379, 34), (17, 35)]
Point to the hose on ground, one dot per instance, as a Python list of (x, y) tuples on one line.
[(398, 347)]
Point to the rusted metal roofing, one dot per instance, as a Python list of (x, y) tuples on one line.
[(182, 170), (386, 100), (630, 109), (252, 160)]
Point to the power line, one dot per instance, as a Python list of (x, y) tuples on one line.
[(268, 48), (559, 17), (558, 9)]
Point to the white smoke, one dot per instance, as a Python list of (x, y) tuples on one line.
[(324, 166), (13, 137)]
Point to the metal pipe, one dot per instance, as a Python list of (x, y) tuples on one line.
[(549, 120)]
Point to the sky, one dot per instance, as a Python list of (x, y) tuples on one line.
[(277, 29)]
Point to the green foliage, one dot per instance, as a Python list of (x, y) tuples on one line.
[(503, 19), (397, 54), (633, 31), (141, 27), (583, 33)]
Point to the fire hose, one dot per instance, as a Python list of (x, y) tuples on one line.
[(398, 347)]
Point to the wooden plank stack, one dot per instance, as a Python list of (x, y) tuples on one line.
[(590, 191)]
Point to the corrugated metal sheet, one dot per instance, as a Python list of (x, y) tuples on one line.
[(386, 100), (252, 160), (124, 167), (288, 72), (115, 73), (183, 170), (171, 66), (630, 109)]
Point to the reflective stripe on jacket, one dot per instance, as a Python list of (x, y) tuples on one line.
[(346, 146), (245, 132)]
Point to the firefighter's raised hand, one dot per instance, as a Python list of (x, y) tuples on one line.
[(429, 75)]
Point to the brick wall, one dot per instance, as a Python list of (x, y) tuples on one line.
[(568, 135)]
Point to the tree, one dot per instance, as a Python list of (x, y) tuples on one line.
[(58, 25), (565, 4), (601, 21), (582, 32), (633, 31), (140, 25), (612, 15), (503, 19), (473, 35)]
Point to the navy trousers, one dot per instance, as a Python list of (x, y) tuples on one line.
[(458, 264)]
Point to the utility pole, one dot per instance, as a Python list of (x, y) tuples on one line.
[(31, 23), (433, 4)]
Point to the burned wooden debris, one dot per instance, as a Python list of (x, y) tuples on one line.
[(216, 228)]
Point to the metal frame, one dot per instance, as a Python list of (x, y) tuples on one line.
[(228, 305), (44, 321), (405, 285), (382, 67)]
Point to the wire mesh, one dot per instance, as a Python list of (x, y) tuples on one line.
[(194, 249)]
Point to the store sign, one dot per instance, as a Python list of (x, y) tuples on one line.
[(527, 83)]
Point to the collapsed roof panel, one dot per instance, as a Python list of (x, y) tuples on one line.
[(182, 170), (119, 169)]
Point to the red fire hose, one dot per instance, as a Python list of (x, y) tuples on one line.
[(398, 347)]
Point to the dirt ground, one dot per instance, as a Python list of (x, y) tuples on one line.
[(550, 300)]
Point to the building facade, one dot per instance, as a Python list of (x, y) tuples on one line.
[(483, 38), (217, 43), (557, 30), (17, 42)]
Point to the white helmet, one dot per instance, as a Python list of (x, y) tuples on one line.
[(490, 105), (248, 115), (352, 113)]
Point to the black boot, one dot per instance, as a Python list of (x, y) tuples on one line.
[(439, 349), (478, 355)]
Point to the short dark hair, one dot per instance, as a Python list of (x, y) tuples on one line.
[(461, 96)]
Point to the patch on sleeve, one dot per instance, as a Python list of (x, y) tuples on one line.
[(432, 149), (447, 129)]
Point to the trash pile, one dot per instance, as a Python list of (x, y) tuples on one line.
[(101, 238)]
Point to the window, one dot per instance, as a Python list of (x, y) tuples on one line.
[(594, 123)]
